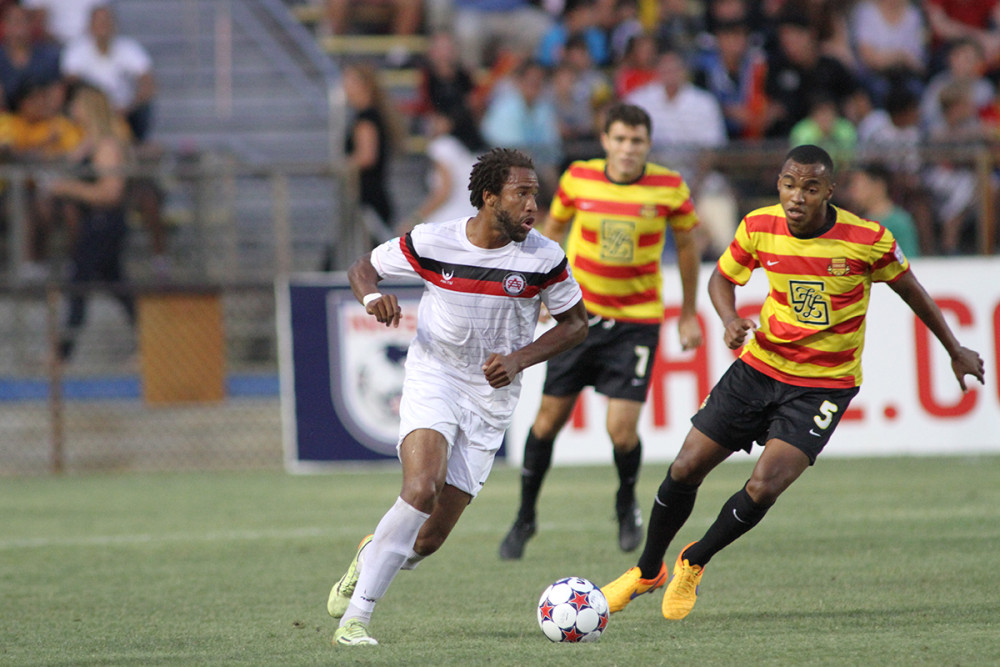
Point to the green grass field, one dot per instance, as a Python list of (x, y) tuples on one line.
[(863, 562)]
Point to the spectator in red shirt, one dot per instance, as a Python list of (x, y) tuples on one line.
[(637, 66), (956, 19)]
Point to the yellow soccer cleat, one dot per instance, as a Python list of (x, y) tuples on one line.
[(340, 594), (682, 591), (631, 585), (353, 633)]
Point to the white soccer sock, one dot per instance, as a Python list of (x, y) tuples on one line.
[(385, 555)]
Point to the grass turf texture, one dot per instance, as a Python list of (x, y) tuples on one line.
[(863, 562)]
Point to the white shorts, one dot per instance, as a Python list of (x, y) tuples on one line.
[(472, 441)]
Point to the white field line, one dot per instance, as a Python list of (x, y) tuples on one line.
[(227, 536), (126, 540)]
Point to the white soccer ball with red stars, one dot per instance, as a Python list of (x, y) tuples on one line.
[(573, 610)]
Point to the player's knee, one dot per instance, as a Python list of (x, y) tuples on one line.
[(682, 470), (547, 424), (421, 492), (689, 468), (553, 413), (545, 429), (765, 491), (623, 438)]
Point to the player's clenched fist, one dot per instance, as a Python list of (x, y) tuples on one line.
[(500, 370), (385, 309), (736, 331)]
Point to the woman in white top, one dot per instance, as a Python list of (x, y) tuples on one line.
[(453, 149)]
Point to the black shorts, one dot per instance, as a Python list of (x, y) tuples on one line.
[(746, 406), (616, 359)]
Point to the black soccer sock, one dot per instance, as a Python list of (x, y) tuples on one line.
[(671, 508), (537, 461), (738, 516), (628, 474)]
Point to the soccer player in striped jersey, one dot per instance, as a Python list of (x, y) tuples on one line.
[(621, 208), (486, 278), (796, 374)]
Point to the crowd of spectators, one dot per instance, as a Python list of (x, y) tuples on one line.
[(873, 81), (76, 113), (48, 50)]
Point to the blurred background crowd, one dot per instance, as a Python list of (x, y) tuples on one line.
[(53, 53), (894, 89)]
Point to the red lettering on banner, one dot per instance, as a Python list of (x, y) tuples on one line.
[(695, 362), (578, 418), (364, 322), (853, 415), (924, 350)]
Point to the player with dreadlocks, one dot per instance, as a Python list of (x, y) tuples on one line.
[(485, 279)]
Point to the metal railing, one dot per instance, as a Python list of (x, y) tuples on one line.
[(225, 221), (233, 229)]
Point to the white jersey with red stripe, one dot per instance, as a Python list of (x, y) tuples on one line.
[(476, 302)]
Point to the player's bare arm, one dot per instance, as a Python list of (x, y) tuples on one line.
[(963, 360), (364, 281), (722, 292), (688, 264), (570, 330), (554, 229)]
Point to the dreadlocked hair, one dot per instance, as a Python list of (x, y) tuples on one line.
[(491, 172)]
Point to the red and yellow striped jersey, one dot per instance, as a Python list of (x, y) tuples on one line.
[(617, 236), (812, 325)]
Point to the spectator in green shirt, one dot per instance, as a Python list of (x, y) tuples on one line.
[(868, 190), (827, 128)]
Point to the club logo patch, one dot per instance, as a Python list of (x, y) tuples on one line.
[(514, 284), (838, 267)]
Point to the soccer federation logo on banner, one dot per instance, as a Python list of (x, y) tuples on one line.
[(367, 372)]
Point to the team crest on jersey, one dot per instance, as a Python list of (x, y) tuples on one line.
[(514, 284), (648, 211), (618, 240), (838, 267)]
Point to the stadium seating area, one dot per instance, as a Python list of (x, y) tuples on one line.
[(872, 57)]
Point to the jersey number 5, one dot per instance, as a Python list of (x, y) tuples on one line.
[(825, 416)]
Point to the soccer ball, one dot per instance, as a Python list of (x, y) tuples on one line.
[(573, 610)]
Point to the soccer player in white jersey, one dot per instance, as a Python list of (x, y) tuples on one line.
[(485, 278)]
